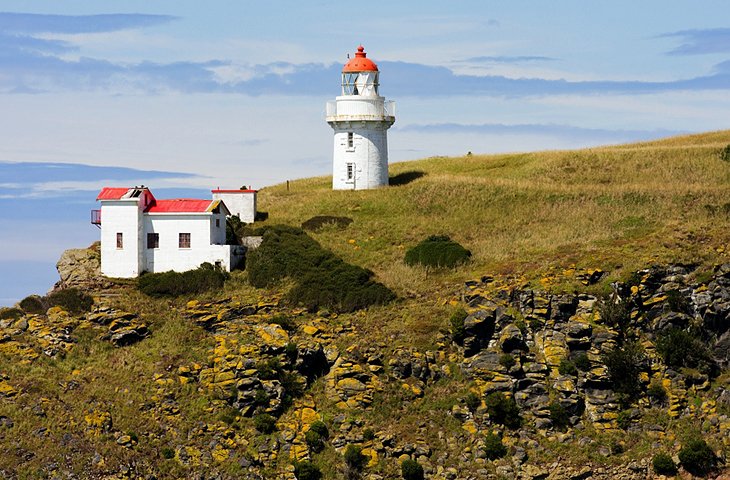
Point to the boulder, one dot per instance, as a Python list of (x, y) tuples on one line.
[(478, 329), (81, 267)]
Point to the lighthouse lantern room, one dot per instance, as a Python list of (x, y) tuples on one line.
[(360, 118)]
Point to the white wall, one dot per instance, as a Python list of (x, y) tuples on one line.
[(241, 203), (169, 255), (121, 216), (369, 155)]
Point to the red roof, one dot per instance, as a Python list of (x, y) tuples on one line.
[(111, 193), (218, 190), (360, 63), (180, 205)]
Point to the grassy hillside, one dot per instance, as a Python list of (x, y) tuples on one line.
[(179, 395), (617, 208)]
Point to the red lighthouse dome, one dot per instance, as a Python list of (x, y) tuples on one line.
[(360, 63)]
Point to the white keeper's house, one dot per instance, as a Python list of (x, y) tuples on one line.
[(140, 233)]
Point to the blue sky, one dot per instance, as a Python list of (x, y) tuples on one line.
[(186, 95)]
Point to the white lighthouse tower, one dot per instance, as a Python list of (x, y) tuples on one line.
[(360, 118)]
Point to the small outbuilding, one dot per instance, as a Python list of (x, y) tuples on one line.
[(140, 233)]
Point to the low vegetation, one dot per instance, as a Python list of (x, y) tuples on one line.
[(503, 410), (663, 464), (321, 221), (437, 251), (411, 470), (322, 279), (72, 300), (697, 457), (624, 364), (173, 284)]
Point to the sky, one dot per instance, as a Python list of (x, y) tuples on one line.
[(184, 96)]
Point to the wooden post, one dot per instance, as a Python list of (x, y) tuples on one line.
[(287, 185)]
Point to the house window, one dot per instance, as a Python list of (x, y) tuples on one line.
[(120, 240), (153, 240), (184, 240), (350, 172), (217, 223), (350, 140)]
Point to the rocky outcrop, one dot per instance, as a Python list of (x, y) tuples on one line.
[(81, 268)]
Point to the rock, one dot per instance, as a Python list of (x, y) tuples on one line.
[(81, 268), (274, 337), (6, 422), (478, 329), (510, 339)]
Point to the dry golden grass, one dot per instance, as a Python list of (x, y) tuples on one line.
[(614, 207)]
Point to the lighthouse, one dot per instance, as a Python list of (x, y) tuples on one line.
[(360, 118)]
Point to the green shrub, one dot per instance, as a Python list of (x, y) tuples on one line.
[(725, 154), (291, 351), (264, 423), (472, 401), (72, 300), (354, 457), (558, 415), (284, 322), (677, 302), (623, 420), (321, 221), (656, 391), (322, 279), (437, 251), (503, 410), (567, 367), (582, 362), (624, 365), (260, 397), (173, 284), (493, 446), (507, 361), (306, 470), (615, 313), (697, 457), (411, 470), (10, 313), (458, 333), (663, 464), (314, 440), (234, 230), (268, 369), (34, 304), (368, 434), (680, 348), (167, 453)]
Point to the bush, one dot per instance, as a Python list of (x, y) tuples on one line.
[(567, 367), (615, 313), (624, 366), (316, 436), (368, 434), (437, 251), (663, 464), (72, 300), (322, 279), (173, 284), (725, 154), (321, 221), (10, 313), (167, 453), (458, 333), (306, 470), (678, 302), (354, 457), (697, 457), (507, 361), (558, 415), (264, 423), (284, 322), (314, 440), (680, 348), (656, 392), (33, 304), (493, 446), (411, 470), (268, 369), (582, 362), (472, 401), (623, 420), (503, 410)]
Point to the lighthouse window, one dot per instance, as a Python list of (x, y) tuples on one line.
[(350, 171), (350, 140), (120, 240)]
